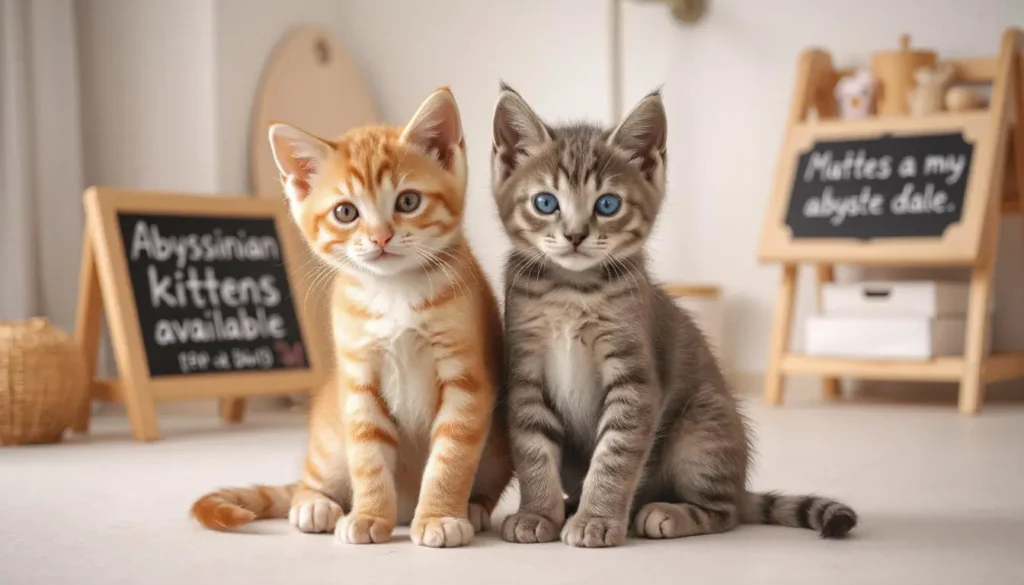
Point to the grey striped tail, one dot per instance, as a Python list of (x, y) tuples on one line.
[(830, 518)]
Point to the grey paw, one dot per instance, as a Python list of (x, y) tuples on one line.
[(594, 532), (528, 528), (660, 520)]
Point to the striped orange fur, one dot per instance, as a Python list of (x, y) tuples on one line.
[(409, 430)]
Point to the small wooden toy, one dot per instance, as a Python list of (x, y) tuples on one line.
[(855, 95), (927, 98), (895, 72), (962, 99)]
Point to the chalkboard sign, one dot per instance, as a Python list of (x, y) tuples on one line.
[(202, 300), (211, 293), (882, 187)]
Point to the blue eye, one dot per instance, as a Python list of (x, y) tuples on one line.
[(545, 203), (608, 205)]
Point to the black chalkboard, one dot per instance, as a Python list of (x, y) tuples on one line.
[(212, 294), (884, 187)]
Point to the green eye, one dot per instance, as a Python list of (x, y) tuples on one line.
[(408, 201), (346, 213)]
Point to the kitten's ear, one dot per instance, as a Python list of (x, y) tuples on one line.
[(299, 156), (643, 135), (518, 133), (436, 129)]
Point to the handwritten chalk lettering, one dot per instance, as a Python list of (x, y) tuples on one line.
[(222, 361), (930, 200), (251, 359), (885, 186), (837, 209), (824, 166), (951, 165), (193, 361), (212, 293), (216, 326), (908, 168), (184, 288), (216, 246)]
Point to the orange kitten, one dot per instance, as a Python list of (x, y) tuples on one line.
[(407, 432)]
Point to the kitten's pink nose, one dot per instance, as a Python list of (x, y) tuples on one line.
[(381, 236)]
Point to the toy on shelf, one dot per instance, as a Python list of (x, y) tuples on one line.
[(895, 72), (855, 95), (928, 96), (962, 99)]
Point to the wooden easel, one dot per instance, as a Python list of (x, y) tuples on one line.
[(105, 288), (971, 243)]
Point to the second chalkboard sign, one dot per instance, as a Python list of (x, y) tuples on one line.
[(884, 187)]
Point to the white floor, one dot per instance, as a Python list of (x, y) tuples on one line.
[(940, 496)]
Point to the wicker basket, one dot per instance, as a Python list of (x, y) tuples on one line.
[(42, 382)]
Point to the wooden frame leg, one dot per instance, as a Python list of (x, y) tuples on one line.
[(972, 385), (87, 328), (830, 386), (232, 410), (141, 409), (781, 328)]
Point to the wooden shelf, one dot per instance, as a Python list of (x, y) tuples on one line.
[(1004, 366), (938, 369), (879, 124), (999, 366)]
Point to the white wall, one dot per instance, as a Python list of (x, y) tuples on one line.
[(147, 69)]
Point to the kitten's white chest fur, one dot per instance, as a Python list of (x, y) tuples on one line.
[(407, 383), (408, 371), (572, 377)]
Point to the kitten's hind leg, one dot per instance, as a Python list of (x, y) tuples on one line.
[(704, 472), (665, 520)]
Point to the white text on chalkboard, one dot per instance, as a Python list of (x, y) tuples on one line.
[(916, 197)]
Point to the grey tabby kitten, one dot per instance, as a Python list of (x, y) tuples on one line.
[(615, 397)]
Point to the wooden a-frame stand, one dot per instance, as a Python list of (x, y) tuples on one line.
[(1000, 146), (105, 289)]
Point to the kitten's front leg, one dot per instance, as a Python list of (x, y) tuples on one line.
[(457, 440), (624, 435), (371, 444), (537, 434)]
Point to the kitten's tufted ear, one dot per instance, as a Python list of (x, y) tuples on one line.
[(299, 156), (436, 129), (643, 135), (518, 132)]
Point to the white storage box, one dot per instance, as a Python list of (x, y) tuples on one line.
[(896, 299), (885, 337)]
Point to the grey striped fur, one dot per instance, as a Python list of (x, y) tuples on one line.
[(619, 413)]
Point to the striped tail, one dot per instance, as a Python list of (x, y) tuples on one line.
[(830, 518), (228, 508)]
